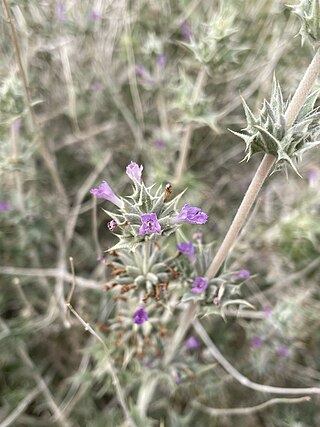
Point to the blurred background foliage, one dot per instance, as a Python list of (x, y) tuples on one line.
[(115, 81)]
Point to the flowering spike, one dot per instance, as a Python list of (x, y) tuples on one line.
[(104, 192)]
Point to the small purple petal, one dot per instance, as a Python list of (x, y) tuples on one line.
[(267, 311), (97, 86), (159, 144), (283, 352), (178, 379), (140, 316), (191, 214), (94, 16), (242, 275), (150, 224), (104, 192), (60, 12), (186, 248), (161, 60), (186, 31), (192, 343), (256, 342), (313, 177), (199, 285), (4, 206), (134, 171), (101, 259)]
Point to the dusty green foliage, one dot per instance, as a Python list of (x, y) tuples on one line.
[(269, 133), (308, 12)]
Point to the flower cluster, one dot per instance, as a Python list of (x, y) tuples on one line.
[(144, 214), (138, 265)]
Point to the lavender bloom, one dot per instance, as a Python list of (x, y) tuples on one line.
[(178, 379), (150, 224), (267, 311), (112, 225), (256, 342), (191, 214), (134, 171), (97, 86), (16, 125), (200, 284), (192, 343), (159, 144), (186, 248), (105, 192), (94, 16), (161, 60), (142, 72), (313, 177), (4, 206), (60, 12), (186, 31), (283, 352), (140, 316), (242, 275)]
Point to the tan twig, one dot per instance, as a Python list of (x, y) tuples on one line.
[(48, 272), (241, 378), (218, 412)]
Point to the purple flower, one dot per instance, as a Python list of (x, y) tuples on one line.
[(60, 12), (150, 224), (112, 225), (97, 86), (256, 342), (186, 30), (4, 206), (283, 352), (159, 143), (313, 177), (192, 343), (140, 316), (144, 74), (161, 60), (178, 379), (16, 125), (101, 259), (94, 16), (242, 275), (105, 192), (191, 214), (134, 171), (267, 311), (186, 248), (200, 284)]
